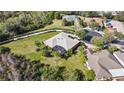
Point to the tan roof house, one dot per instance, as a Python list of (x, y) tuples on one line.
[(97, 20)]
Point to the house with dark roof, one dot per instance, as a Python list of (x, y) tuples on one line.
[(90, 35), (105, 65)]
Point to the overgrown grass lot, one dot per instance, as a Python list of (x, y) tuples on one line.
[(56, 24)]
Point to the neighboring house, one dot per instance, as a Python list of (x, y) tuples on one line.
[(62, 42), (119, 26), (71, 18), (109, 26), (97, 20), (105, 65), (91, 34), (122, 48), (114, 25), (114, 13), (75, 19), (119, 56)]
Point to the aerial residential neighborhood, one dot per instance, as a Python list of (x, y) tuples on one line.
[(62, 46)]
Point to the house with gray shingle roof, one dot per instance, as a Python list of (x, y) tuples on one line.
[(118, 25), (105, 65), (62, 42), (71, 18), (119, 56)]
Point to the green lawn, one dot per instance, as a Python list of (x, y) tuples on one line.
[(72, 63), (27, 46), (56, 24)]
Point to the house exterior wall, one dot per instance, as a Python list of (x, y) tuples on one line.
[(118, 79)]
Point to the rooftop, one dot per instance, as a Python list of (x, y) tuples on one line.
[(117, 72), (62, 40), (101, 62), (71, 18), (97, 20), (120, 57), (91, 34), (118, 25)]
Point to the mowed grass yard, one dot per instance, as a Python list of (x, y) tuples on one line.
[(27, 47)]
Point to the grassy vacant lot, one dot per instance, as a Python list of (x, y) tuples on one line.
[(27, 47), (56, 24)]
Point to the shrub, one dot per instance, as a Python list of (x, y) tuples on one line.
[(38, 43), (89, 75), (68, 54), (112, 48), (4, 36), (38, 49), (45, 52), (4, 50), (74, 75), (98, 41), (57, 15), (81, 54), (108, 38), (80, 34), (55, 54), (67, 23), (93, 24), (83, 24), (119, 35)]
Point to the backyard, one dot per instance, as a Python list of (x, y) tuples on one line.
[(27, 47)]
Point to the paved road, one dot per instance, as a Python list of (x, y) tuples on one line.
[(118, 43)]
